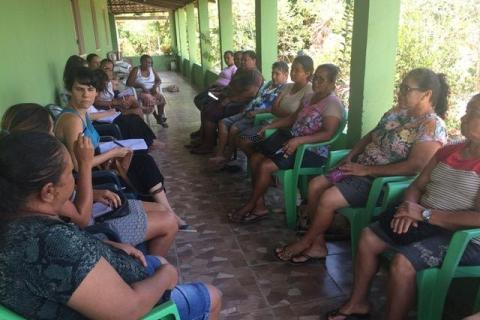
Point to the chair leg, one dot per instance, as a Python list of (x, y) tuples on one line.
[(290, 199), (425, 286), (303, 181)]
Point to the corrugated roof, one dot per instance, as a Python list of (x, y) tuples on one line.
[(144, 6)]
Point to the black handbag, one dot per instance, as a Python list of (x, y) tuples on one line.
[(119, 212), (414, 234), (271, 145)]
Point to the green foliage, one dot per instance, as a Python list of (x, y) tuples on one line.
[(137, 37), (442, 35)]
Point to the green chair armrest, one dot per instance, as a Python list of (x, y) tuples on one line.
[(393, 192), (301, 152), (6, 314), (162, 311), (261, 117), (376, 190), (457, 246), (269, 132), (334, 157)]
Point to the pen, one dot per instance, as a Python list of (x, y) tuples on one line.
[(118, 143)]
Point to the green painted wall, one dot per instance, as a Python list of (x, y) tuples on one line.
[(197, 75), (37, 38)]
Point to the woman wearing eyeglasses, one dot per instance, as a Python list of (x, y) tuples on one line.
[(402, 143)]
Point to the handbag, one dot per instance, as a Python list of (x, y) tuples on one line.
[(271, 145), (414, 234), (118, 212)]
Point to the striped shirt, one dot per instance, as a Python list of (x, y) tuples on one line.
[(454, 182)]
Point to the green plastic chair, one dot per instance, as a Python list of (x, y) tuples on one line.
[(290, 178), (167, 310), (433, 283), (261, 117), (361, 217)]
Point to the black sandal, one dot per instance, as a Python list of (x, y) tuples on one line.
[(351, 316)]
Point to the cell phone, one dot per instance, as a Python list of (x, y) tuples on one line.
[(211, 95)]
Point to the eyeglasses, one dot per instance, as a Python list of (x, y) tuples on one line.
[(405, 89), (318, 79)]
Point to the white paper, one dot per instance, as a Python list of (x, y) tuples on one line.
[(109, 119), (106, 119), (134, 144)]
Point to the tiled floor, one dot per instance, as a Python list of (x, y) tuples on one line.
[(238, 259)]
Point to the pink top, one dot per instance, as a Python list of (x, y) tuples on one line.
[(226, 75)]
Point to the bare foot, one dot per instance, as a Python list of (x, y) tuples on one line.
[(240, 214), (286, 253)]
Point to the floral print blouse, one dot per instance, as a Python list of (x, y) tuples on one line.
[(310, 119), (397, 132)]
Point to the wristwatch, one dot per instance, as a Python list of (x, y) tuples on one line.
[(426, 215)]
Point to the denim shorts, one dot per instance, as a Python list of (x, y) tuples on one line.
[(310, 160), (355, 190), (429, 252), (192, 299)]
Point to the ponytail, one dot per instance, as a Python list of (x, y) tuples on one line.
[(441, 105)]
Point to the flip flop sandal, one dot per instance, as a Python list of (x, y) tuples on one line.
[(308, 259), (351, 316), (252, 218)]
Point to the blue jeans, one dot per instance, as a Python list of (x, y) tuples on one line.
[(192, 299)]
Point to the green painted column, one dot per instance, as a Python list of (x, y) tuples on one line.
[(372, 71), (191, 34), (113, 31), (204, 34), (173, 30), (225, 27), (266, 35), (182, 28)]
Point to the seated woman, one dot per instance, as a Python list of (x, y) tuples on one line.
[(131, 124), (146, 80), (228, 128), (93, 61), (107, 98), (315, 121), (223, 80), (57, 271), (145, 221), (445, 195), (286, 103), (402, 143), (242, 89), (143, 173)]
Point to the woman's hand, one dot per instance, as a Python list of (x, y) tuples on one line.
[(83, 151), (410, 210), (131, 251), (354, 169), (261, 132), (107, 197), (290, 146), (402, 224), (408, 214), (121, 152)]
